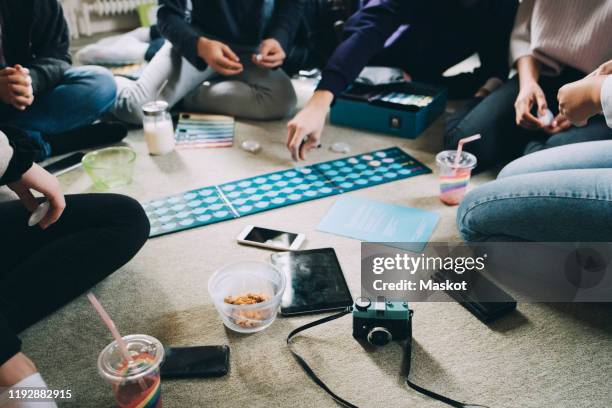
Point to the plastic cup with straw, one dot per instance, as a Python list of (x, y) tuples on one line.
[(131, 365), (455, 171)]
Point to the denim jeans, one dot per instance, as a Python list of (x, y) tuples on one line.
[(82, 96), (562, 194), (502, 140)]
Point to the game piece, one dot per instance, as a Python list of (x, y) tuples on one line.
[(38, 214), (259, 57), (265, 192), (547, 118), (195, 131), (251, 146), (340, 147)]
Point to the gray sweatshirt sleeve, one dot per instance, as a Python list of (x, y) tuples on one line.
[(6, 153)]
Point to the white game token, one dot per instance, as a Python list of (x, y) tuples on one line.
[(251, 146), (38, 214), (340, 147), (547, 118), (259, 57), (374, 163)]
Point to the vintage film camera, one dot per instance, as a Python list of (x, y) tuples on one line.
[(381, 321)]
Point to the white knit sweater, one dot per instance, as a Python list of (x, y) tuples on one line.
[(576, 33)]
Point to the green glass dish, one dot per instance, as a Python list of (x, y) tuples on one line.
[(111, 167)]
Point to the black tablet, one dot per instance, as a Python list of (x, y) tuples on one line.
[(315, 282)]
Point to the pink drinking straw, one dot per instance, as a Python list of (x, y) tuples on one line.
[(460, 148), (113, 329)]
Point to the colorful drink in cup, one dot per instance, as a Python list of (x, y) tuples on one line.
[(136, 384), (454, 175)]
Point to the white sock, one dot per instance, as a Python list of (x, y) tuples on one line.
[(33, 381)]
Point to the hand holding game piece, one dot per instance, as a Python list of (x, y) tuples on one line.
[(305, 129), (38, 179), (271, 54), (219, 57)]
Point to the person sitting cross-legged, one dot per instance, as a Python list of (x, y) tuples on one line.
[(40, 92)]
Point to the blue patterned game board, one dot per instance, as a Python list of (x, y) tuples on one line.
[(195, 131), (240, 198)]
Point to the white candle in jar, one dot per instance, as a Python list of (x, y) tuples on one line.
[(158, 129)]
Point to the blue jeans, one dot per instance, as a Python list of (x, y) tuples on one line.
[(81, 97), (502, 140), (563, 194)]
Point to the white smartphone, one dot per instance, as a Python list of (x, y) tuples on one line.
[(273, 239)]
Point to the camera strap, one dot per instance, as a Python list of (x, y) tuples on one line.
[(342, 401)]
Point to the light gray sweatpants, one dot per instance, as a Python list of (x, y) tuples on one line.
[(256, 93)]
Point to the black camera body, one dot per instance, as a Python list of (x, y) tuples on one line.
[(381, 321)]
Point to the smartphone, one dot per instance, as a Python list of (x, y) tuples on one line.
[(315, 282), (65, 165), (272, 239), (195, 362)]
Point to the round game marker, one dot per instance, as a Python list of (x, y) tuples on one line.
[(387, 160), (340, 147), (251, 146), (547, 118), (374, 163), (381, 154), (367, 157), (39, 213)]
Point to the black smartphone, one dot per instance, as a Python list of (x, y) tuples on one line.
[(485, 300), (315, 282), (66, 164), (195, 362)]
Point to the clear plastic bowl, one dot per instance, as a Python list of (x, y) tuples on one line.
[(111, 167), (240, 279)]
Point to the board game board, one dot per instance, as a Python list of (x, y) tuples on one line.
[(196, 131), (209, 205)]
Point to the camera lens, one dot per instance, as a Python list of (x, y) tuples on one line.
[(379, 336)]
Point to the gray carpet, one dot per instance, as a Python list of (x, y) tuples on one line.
[(545, 355)]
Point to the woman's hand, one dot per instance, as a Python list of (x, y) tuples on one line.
[(38, 179), (305, 129), (530, 94), (271, 54), (580, 100), (219, 57)]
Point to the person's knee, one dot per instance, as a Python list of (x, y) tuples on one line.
[(468, 218), (278, 104), (131, 218), (97, 81)]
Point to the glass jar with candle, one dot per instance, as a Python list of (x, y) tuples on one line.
[(158, 129)]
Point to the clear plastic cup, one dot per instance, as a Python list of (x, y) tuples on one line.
[(454, 180), (247, 278), (138, 383)]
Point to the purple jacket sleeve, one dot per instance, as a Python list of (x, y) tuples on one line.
[(365, 34)]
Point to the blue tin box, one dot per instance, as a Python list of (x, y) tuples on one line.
[(403, 109)]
